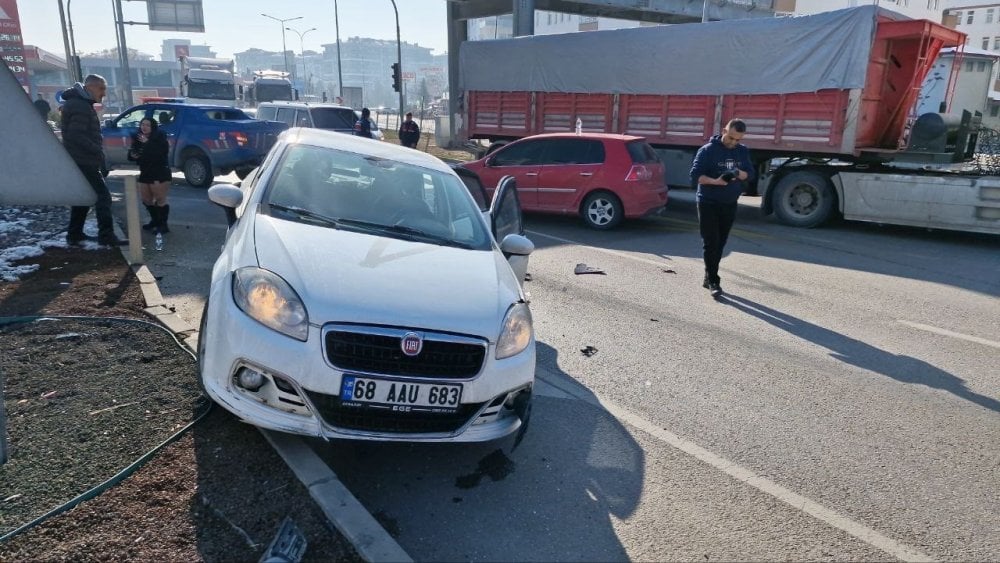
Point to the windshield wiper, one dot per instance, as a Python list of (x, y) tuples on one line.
[(329, 221), (411, 232)]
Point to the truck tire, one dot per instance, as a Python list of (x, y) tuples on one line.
[(602, 210), (197, 170), (804, 199)]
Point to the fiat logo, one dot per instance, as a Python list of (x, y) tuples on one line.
[(412, 344)]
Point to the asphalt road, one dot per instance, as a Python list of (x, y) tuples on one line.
[(840, 403)]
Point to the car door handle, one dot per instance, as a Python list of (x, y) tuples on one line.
[(531, 173), (586, 173)]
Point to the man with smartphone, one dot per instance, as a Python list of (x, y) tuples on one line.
[(720, 169)]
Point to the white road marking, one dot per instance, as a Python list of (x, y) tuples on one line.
[(945, 332), (744, 475)]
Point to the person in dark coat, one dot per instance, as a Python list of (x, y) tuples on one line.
[(363, 126), (720, 169), (81, 135), (150, 150), (42, 107), (409, 132)]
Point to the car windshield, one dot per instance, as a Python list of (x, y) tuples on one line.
[(332, 118), (211, 90), (272, 92), (340, 189)]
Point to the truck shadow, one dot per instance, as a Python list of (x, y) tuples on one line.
[(904, 369), (552, 498), (965, 260)]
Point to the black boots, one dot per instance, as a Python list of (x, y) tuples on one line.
[(157, 219)]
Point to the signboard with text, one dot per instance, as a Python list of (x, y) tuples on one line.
[(11, 43), (176, 15)]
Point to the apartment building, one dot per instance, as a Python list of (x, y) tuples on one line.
[(980, 22)]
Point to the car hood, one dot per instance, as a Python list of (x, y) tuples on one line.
[(345, 276)]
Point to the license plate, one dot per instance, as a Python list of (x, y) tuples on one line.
[(401, 396)]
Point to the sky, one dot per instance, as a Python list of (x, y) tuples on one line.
[(236, 25)]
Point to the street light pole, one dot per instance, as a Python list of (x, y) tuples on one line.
[(284, 49), (399, 61), (302, 53), (340, 75)]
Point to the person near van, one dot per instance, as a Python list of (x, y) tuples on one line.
[(150, 150), (81, 136), (409, 132), (720, 169), (363, 126)]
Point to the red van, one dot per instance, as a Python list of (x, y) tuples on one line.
[(602, 177)]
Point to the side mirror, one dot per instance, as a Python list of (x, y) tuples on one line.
[(229, 197), (516, 245)]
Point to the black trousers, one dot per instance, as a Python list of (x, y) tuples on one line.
[(715, 220), (78, 214)]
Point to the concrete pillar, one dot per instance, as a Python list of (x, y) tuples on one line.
[(458, 31), (524, 17)]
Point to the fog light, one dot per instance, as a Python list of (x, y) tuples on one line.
[(250, 379)]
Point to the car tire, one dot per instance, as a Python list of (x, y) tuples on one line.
[(200, 354), (602, 210), (197, 170), (804, 199)]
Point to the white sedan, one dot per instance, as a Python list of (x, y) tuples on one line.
[(362, 293)]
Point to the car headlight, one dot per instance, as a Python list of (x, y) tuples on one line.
[(269, 300), (516, 333)]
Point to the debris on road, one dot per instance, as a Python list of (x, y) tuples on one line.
[(588, 351), (667, 271), (585, 269)]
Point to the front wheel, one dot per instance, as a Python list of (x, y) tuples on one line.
[(197, 170), (804, 199), (602, 211)]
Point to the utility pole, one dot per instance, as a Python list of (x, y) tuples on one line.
[(399, 60), (340, 75), (126, 78), (302, 54), (69, 53), (284, 49)]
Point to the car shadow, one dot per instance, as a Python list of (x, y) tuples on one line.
[(905, 369), (553, 497)]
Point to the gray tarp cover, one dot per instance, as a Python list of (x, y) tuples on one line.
[(751, 56)]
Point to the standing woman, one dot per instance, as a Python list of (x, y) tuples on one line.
[(150, 150)]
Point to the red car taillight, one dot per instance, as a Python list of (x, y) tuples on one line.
[(241, 139), (638, 173)]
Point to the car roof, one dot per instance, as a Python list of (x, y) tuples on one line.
[(605, 136), (183, 105), (368, 147), (304, 104)]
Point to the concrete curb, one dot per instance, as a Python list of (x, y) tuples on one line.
[(342, 509)]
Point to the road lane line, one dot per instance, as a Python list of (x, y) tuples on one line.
[(742, 474), (945, 332)]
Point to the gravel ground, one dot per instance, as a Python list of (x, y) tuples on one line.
[(85, 399)]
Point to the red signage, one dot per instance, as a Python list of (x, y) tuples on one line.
[(182, 51), (11, 44)]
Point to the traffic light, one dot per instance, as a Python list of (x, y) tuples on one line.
[(397, 78)]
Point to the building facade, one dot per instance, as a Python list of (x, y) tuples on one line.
[(980, 22)]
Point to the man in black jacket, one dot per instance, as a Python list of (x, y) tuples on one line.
[(81, 134), (409, 132)]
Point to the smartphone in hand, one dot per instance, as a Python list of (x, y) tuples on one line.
[(728, 176)]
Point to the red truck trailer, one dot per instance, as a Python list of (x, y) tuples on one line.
[(829, 96)]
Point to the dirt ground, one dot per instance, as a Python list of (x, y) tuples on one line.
[(87, 398)]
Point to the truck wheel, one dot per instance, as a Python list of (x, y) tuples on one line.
[(197, 170), (803, 199), (602, 211)]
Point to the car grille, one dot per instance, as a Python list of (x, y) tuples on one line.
[(378, 420), (378, 351)]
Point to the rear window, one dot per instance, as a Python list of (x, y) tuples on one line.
[(226, 114), (333, 118), (641, 152), (267, 114)]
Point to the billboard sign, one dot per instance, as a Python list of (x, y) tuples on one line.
[(176, 15), (11, 44)]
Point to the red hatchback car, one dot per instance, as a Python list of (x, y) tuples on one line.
[(602, 177)]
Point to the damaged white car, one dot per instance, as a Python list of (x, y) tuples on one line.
[(362, 293)]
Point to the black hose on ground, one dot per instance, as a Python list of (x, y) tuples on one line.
[(132, 467)]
